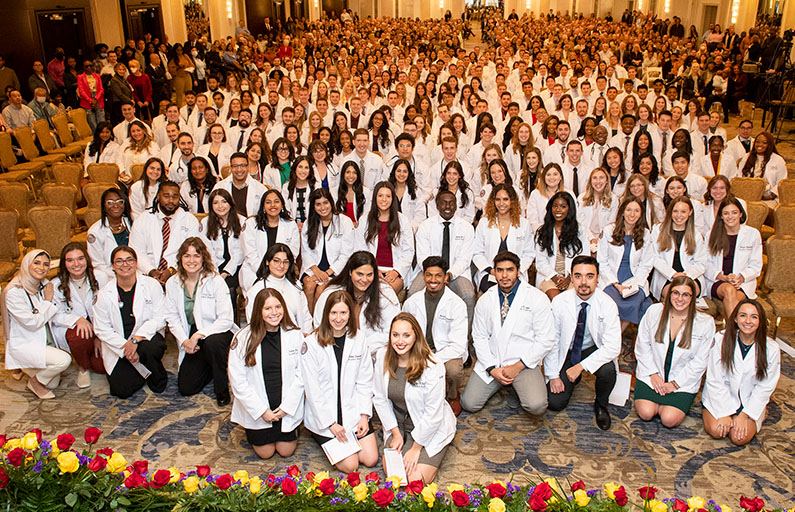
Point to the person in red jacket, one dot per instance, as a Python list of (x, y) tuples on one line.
[(91, 93)]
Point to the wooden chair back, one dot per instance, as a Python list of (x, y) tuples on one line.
[(52, 228)]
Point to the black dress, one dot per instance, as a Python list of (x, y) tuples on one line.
[(271, 354)]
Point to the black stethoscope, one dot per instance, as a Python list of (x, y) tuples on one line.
[(33, 309)]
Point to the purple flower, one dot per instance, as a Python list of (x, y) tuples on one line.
[(335, 501), (83, 459), (477, 492), (278, 480), (39, 465), (401, 495), (475, 502), (592, 493), (210, 479), (440, 494), (711, 502), (46, 447)]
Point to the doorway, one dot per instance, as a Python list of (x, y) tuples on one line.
[(144, 19), (710, 16), (63, 29)]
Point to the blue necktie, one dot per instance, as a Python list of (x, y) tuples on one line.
[(579, 334)]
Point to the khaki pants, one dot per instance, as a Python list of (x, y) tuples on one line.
[(57, 361), (454, 369), (529, 386)]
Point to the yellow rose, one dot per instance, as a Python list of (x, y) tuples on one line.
[(68, 463), (116, 463), (395, 482), (657, 506), (254, 485), (610, 489), (191, 484), (54, 453), (696, 503), (726, 508), (30, 442), (360, 492), (553, 484), (241, 475), (343, 484), (429, 494), (582, 498), (13, 443), (319, 477), (496, 505), (174, 475), (455, 487)]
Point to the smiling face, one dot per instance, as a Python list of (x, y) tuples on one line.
[(272, 206), (680, 213), (632, 214), (272, 312), (39, 267), (76, 263), (731, 216), (302, 170), (220, 206), (598, 181), (191, 261), (402, 337), (560, 209), (338, 317), (502, 202), (552, 179), (718, 191), (279, 264), (675, 189), (747, 320), (681, 296), (383, 199)]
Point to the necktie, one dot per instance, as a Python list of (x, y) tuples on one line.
[(576, 183), (626, 145), (446, 242), (601, 156), (579, 334), (201, 116), (664, 142), (706, 144), (361, 167), (562, 152), (190, 111), (240, 140), (166, 231), (746, 145), (504, 309)]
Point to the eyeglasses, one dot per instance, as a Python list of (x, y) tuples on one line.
[(282, 148), (281, 262), (124, 263), (685, 295), (239, 166), (114, 202), (318, 150)]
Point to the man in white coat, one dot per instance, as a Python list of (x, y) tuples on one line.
[(741, 145), (371, 166), (588, 338), (438, 311), (513, 331), (245, 190)]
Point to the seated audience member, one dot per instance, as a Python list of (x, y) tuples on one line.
[(199, 315), (110, 231), (763, 161), (221, 232), (128, 319), (587, 337)]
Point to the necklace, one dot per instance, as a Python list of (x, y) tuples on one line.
[(117, 229)]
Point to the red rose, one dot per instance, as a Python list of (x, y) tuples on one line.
[(293, 471), (679, 505), (92, 434), (38, 434), (224, 482), (2, 440), (107, 452), (310, 476), (135, 480), (353, 479), (16, 456), (202, 471), (621, 496), (97, 464), (415, 487), (327, 486), (383, 497), (496, 490), (579, 485), (648, 492), (269, 481), (65, 441), (3, 478), (288, 487), (372, 477), (543, 491), (752, 505), (140, 466), (160, 478), (537, 503), (460, 498)]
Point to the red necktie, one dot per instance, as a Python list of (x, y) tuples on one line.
[(163, 265)]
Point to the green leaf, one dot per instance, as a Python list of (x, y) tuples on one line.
[(71, 499)]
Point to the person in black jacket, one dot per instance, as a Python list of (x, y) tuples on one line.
[(121, 91), (157, 75), (677, 29)]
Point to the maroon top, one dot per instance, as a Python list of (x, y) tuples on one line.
[(142, 87), (383, 254)]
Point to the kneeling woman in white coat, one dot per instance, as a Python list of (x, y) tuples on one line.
[(200, 316), (742, 372), (265, 375), (338, 373), (672, 350), (409, 397), (28, 309), (127, 317)]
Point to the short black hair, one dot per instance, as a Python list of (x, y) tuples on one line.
[(681, 154), (435, 261), (506, 256), (404, 136), (585, 259)]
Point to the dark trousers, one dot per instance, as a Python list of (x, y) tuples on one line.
[(82, 350), (125, 380), (605, 380), (207, 364)]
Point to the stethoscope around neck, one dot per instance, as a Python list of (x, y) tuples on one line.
[(33, 308)]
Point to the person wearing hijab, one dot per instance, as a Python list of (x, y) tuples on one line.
[(28, 309)]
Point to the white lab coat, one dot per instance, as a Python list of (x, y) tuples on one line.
[(138, 203), (255, 245), (775, 171), (585, 215), (449, 324), (688, 364), (726, 166), (324, 389), (146, 237), (430, 238), (212, 309), (747, 261), (69, 314), (433, 418), (374, 170), (291, 205), (527, 334), (725, 391), (253, 196), (27, 332), (487, 243), (377, 336), (224, 154), (609, 257), (126, 157), (604, 326), (192, 200), (708, 217), (545, 264), (216, 247), (293, 297), (148, 309), (248, 384), (402, 253), (100, 245), (694, 264), (413, 209), (337, 242)]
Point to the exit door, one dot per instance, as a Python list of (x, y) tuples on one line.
[(144, 20), (710, 16), (63, 29)]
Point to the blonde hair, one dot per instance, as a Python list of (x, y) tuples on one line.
[(484, 166), (607, 197), (666, 237)]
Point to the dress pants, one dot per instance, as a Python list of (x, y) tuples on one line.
[(82, 350), (605, 380), (56, 361), (209, 363), (125, 380), (454, 376), (528, 384), (461, 286)]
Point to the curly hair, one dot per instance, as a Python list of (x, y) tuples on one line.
[(490, 211)]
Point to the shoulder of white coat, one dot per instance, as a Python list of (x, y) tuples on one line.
[(388, 293)]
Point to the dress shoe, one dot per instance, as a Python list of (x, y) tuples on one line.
[(602, 416), (83, 379), (223, 399), (39, 389), (455, 404)]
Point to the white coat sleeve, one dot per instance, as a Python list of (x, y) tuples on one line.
[(644, 354), (481, 327), (317, 384), (156, 322), (241, 389), (171, 310), (754, 266), (611, 338), (717, 383), (764, 388), (293, 399), (381, 401), (19, 308), (433, 413), (690, 375)]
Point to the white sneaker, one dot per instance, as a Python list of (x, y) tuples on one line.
[(83, 379)]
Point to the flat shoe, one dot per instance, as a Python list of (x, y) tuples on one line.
[(46, 396), (16, 374), (83, 379)]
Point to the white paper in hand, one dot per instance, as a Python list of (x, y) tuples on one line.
[(393, 465), (620, 392), (336, 451)]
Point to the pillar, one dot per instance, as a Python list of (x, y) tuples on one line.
[(223, 15), (108, 27), (174, 24)]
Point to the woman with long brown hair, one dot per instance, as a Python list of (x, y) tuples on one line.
[(266, 380), (742, 372), (409, 397)]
